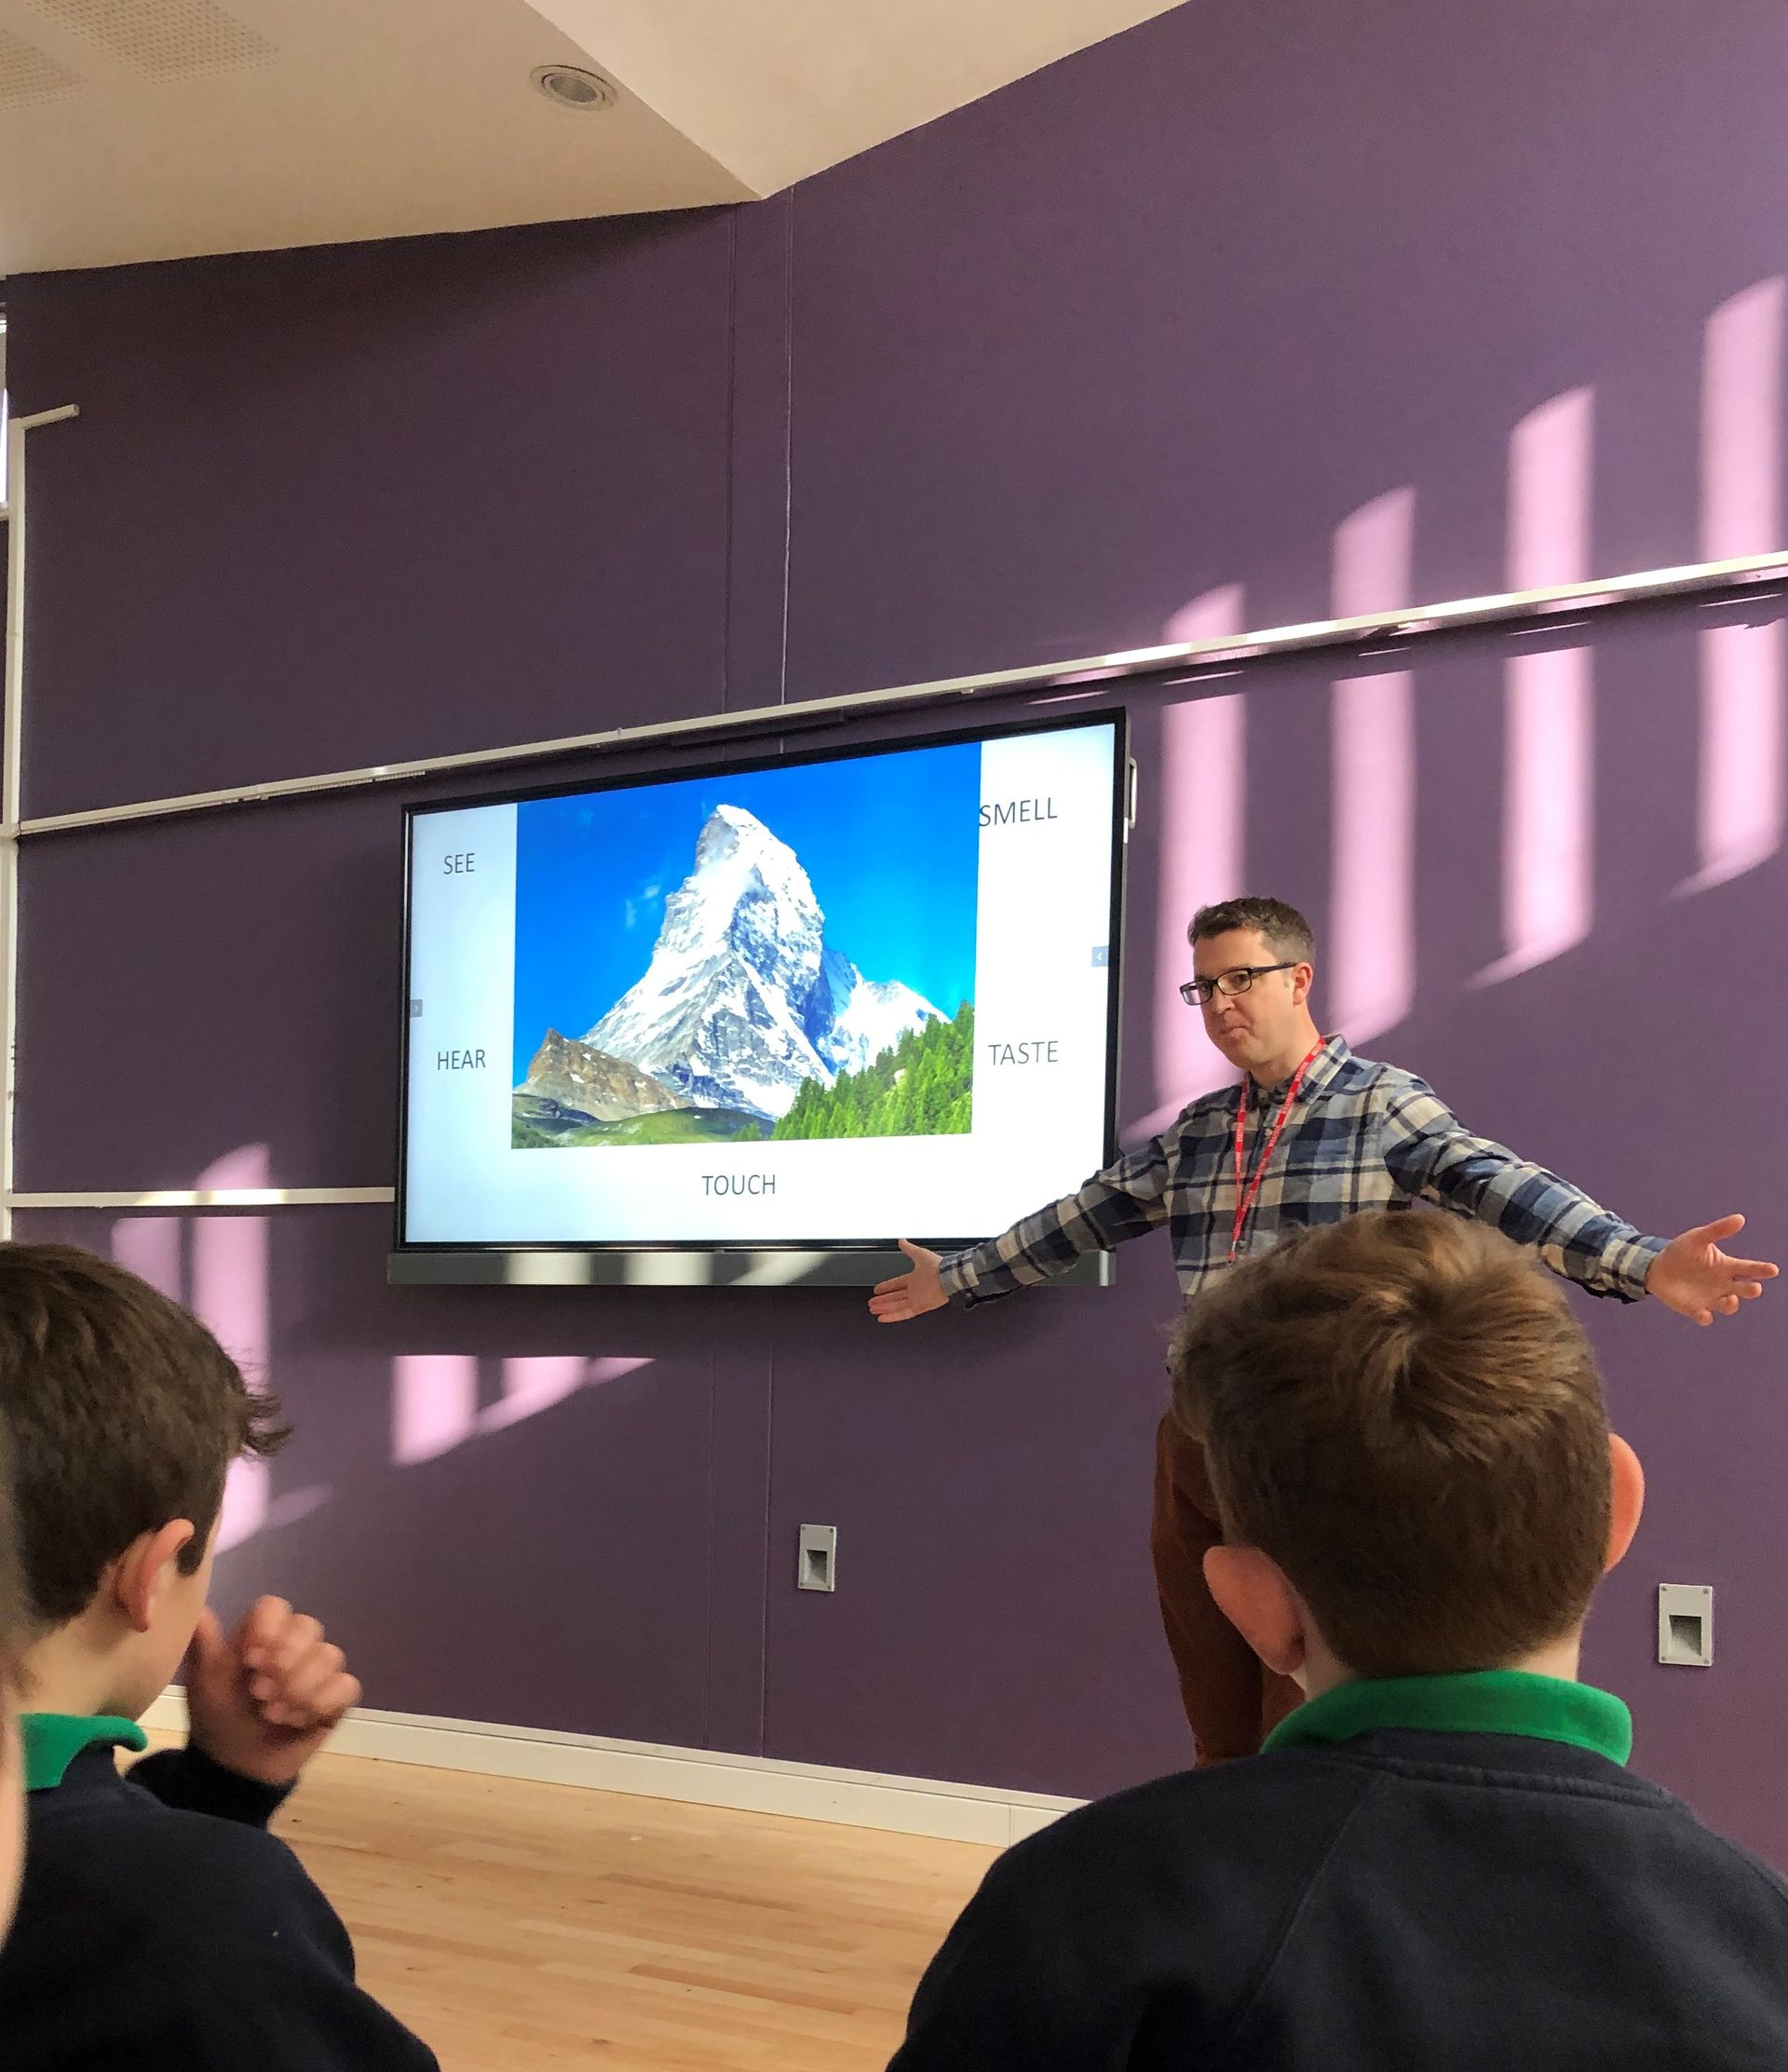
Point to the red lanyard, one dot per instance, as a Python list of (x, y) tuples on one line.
[(1245, 1199)]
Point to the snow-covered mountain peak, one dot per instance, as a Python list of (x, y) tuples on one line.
[(744, 999), (732, 840), (747, 889), (729, 828)]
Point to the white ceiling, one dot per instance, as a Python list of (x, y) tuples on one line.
[(135, 130)]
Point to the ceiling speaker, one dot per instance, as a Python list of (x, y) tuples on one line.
[(28, 73), (165, 38)]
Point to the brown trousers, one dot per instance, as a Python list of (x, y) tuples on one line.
[(1232, 1698)]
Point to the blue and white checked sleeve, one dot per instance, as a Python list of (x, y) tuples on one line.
[(1126, 1200), (1431, 1157)]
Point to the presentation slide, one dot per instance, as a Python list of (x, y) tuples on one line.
[(823, 1002)]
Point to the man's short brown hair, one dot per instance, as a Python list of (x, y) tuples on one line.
[(1286, 931), (1401, 1410), (124, 1413)]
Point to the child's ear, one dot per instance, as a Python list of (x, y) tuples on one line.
[(142, 1571), (1627, 1493), (1253, 1593)]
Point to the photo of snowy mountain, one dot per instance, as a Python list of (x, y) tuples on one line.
[(756, 1013)]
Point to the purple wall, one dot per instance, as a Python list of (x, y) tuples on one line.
[(1156, 322)]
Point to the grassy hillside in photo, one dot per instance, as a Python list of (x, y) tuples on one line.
[(924, 1087), (533, 1129)]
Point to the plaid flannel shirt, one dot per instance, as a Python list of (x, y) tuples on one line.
[(1360, 1136)]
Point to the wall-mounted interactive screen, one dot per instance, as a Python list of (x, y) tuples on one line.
[(816, 1002)]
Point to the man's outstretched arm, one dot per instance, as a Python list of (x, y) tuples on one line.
[(1128, 1199), (1432, 1158)]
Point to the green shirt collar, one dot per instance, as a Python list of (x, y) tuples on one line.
[(1482, 1701), (54, 1740)]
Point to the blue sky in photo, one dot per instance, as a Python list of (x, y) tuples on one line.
[(891, 843)]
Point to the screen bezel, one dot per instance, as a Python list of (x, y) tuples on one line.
[(1116, 717)]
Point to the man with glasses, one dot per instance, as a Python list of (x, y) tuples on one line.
[(1312, 1134)]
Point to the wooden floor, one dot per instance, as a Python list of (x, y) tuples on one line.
[(519, 1926)]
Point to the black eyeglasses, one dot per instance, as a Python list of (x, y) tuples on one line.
[(1197, 993)]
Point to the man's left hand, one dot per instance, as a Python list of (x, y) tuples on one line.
[(263, 1699), (1692, 1276)]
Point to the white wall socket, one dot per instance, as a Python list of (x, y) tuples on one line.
[(817, 1559), (1686, 1625)]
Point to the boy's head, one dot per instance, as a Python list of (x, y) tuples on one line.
[(125, 1414), (1406, 1438), (12, 1650)]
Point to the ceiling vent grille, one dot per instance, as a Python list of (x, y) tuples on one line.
[(166, 39), (28, 73)]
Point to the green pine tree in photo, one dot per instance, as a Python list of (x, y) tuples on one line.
[(923, 1085)]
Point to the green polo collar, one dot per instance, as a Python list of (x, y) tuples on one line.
[(54, 1740), (1484, 1702)]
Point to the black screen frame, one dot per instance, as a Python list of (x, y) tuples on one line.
[(1116, 717)]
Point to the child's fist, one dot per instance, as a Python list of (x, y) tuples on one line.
[(262, 1700)]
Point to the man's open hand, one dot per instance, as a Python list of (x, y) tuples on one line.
[(1692, 1276), (264, 1700), (909, 1295)]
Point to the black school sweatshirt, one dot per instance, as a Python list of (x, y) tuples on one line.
[(1448, 1874), (161, 1926)]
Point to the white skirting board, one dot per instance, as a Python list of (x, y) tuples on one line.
[(701, 1777)]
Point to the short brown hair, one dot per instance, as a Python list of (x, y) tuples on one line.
[(14, 1624), (1401, 1410), (123, 1412), (1284, 928)]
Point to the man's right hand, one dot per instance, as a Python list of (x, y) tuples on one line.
[(910, 1294)]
